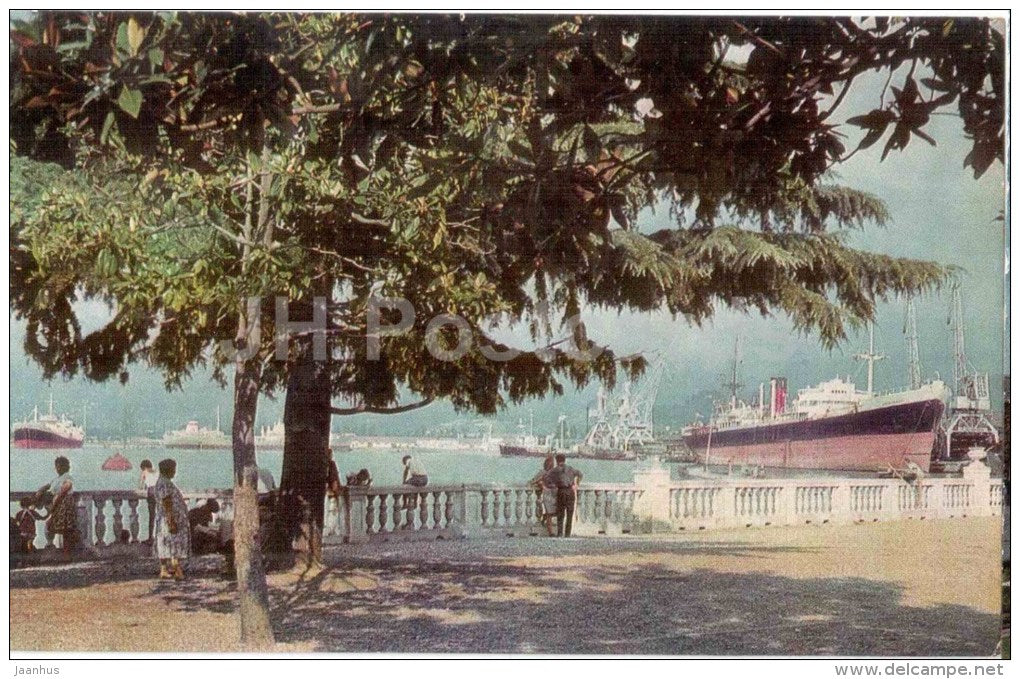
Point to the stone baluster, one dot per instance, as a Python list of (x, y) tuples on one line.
[(370, 514), (507, 508), (484, 507), (100, 521), (449, 507), (520, 504), (437, 510), (118, 518), (399, 499), (133, 519), (83, 508), (383, 514), (423, 511)]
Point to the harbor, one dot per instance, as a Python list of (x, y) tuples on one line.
[(511, 333)]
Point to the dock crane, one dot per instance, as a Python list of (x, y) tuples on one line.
[(966, 422), (914, 357), (627, 420)]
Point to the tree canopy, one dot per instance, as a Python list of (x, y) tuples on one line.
[(494, 167), (478, 164)]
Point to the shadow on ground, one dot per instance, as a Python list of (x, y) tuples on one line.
[(611, 597)]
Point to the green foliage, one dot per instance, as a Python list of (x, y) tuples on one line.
[(489, 166)]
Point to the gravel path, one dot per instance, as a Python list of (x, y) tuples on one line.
[(907, 588)]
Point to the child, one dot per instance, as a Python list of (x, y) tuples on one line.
[(26, 519)]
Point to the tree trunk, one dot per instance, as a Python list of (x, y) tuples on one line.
[(256, 628), (306, 418)]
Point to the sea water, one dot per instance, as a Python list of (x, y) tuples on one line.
[(213, 469)]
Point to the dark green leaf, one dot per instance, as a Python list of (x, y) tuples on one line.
[(130, 101), (876, 119)]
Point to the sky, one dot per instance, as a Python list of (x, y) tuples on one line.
[(938, 212)]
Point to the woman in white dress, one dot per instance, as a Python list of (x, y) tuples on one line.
[(173, 533)]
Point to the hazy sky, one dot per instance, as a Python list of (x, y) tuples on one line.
[(939, 212)]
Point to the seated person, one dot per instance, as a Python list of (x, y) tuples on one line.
[(362, 478), (205, 538)]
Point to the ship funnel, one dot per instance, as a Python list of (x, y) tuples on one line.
[(777, 402)]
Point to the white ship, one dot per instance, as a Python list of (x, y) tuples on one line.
[(271, 438), (195, 436)]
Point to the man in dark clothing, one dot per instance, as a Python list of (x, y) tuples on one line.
[(205, 538), (565, 479)]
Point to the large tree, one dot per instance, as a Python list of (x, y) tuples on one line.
[(479, 165)]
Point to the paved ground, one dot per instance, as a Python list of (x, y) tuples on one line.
[(907, 588)]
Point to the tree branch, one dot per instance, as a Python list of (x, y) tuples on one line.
[(380, 411), (839, 99)]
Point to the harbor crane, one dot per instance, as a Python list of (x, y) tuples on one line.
[(913, 355), (627, 420), (967, 420)]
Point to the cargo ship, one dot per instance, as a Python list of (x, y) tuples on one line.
[(830, 426), (51, 432)]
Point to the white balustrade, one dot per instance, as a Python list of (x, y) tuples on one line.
[(110, 519)]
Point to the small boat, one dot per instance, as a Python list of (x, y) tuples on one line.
[(116, 463)]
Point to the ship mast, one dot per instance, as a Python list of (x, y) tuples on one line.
[(870, 357), (959, 351), (912, 351), (733, 385)]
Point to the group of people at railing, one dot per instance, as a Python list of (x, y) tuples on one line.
[(557, 486), (52, 503)]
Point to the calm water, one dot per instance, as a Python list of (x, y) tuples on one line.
[(198, 470)]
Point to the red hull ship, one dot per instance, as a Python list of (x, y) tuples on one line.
[(869, 439), (830, 426), (47, 432)]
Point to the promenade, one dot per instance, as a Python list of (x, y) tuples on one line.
[(905, 587)]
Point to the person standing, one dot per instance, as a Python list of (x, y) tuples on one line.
[(173, 535), (147, 483), (25, 519), (547, 494), (565, 479), (63, 520)]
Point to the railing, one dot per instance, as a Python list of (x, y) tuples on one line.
[(446, 512), (739, 503), (117, 520), (995, 495), (118, 517)]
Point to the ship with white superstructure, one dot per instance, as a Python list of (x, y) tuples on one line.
[(49, 431), (833, 425)]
